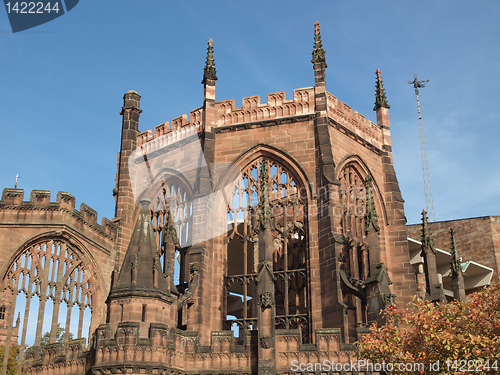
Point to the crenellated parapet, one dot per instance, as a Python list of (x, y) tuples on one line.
[(252, 110), (159, 348), (181, 122), (354, 121), (54, 360), (277, 106), (150, 142), (39, 210)]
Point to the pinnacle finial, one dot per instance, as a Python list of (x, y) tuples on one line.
[(380, 98), (209, 72), (169, 232), (371, 216), (456, 267), (426, 235), (318, 52), (265, 211)]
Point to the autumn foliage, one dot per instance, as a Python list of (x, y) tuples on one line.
[(463, 336), (13, 359)]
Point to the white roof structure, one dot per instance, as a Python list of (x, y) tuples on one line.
[(476, 275)]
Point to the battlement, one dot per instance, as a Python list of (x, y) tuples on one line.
[(194, 124), (354, 121), (277, 106), (252, 110), (13, 209)]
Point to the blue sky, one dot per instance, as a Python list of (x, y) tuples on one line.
[(63, 82)]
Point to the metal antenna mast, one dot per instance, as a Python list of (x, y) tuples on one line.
[(429, 202)]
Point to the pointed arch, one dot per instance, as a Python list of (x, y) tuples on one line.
[(358, 163), (52, 270), (171, 194), (289, 192), (357, 194), (263, 150)]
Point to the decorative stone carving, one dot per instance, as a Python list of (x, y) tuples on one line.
[(195, 269), (209, 72), (266, 300), (389, 299), (371, 216), (265, 210), (193, 285), (266, 342), (318, 52)]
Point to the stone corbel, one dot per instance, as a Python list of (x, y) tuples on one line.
[(193, 285), (357, 290)]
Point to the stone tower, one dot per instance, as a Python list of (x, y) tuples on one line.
[(243, 238), (314, 240)]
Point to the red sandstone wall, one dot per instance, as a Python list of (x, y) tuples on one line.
[(21, 221), (477, 239)]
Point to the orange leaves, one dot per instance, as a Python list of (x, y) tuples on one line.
[(429, 332)]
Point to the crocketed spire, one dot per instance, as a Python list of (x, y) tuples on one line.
[(427, 243), (456, 267), (209, 72), (380, 98), (457, 277), (318, 52)]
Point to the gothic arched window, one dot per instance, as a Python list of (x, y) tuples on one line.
[(288, 223), (355, 260), (171, 207), (51, 288)]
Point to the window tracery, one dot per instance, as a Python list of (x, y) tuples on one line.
[(355, 260), (50, 287), (288, 221), (173, 209)]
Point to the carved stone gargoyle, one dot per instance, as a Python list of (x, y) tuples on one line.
[(354, 286), (378, 292), (192, 286)]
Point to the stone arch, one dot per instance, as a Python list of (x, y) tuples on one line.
[(356, 193), (357, 162), (263, 150), (288, 192), (171, 193), (60, 270)]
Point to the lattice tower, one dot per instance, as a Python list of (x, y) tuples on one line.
[(429, 202)]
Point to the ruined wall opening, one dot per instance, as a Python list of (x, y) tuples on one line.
[(171, 215), (358, 197), (49, 291), (171, 219), (288, 220)]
